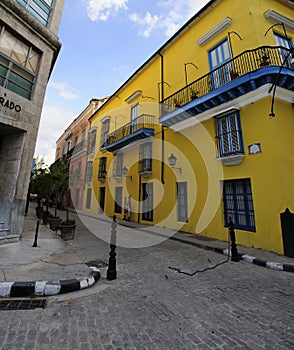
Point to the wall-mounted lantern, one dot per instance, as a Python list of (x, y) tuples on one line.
[(125, 172), (172, 162)]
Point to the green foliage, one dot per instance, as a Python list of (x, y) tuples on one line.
[(52, 182), (68, 222)]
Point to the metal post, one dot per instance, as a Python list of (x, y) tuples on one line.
[(111, 272), (36, 234), (234, 251)]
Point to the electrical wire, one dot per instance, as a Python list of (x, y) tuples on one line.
[(207, 268)]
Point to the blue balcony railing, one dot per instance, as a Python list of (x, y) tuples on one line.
[(137, 129), (216, 80)]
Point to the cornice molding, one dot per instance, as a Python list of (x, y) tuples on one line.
[(133, 96), (219, 28), (275, 17)]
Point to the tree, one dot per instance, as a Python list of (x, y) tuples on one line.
[(52, 183)]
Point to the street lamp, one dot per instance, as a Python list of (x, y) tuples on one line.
[(172, 159), (125, 172)]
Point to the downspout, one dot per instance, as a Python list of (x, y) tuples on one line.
[(139, 199), (162, 127)]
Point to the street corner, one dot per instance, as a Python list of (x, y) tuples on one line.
[(47, 288)]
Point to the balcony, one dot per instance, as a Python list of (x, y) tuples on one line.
[(139, 128), (80, 146), (242, 74)]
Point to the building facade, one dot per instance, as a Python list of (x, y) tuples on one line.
[(201, 134), (29, 46), (72, 148)]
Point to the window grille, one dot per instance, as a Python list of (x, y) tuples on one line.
[(92, 141), (118, 200), (229, 134), (102, 169), (104, 133), (89, 171), (145, 157), (182, 201), (238, 204), (118, 165)]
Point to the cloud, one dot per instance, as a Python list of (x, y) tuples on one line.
[(172, 15), (148, 22), (101, 10), (53, 123), (63, 89)]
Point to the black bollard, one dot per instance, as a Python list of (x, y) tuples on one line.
[(234, 251), (36, 234), (111, 272)]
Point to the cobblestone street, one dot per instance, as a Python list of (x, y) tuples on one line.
[(234, 305)]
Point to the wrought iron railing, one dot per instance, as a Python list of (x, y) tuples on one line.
[(143, 121), (80, 146), (242, 64)]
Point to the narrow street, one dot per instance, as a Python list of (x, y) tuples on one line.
[(235, 305)]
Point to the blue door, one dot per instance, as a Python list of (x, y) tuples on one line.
[(218, 56), (284, 55)]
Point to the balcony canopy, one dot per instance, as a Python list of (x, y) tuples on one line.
[(239, 76), (139, 128)]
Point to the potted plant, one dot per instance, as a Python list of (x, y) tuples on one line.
[(264, 59), (194, 94), (46, 216), (54, 221), (234, 74), (177, 103), (67, 229)]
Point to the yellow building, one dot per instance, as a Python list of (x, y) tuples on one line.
[(202, 133)]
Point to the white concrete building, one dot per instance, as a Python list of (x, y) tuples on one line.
[(29, 46)]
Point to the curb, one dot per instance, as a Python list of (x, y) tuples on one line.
[(47, 288), (247, 258)]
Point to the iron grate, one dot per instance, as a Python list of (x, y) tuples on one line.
[(97, 263), (22, 304)]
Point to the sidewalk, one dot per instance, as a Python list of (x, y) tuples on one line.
[(51, 268), (251, 255), (56, 266)]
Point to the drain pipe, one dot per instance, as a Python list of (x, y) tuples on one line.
[(162, 127)]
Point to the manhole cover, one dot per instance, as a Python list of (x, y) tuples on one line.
[(22, 304), (97, 263)]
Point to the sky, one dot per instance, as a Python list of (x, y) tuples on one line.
[(103, 43)]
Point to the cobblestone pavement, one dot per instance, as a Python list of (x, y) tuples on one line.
[(153, 306)]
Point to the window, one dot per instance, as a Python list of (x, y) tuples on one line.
[(134, 117), (18, 64), (287, 43), (41, 9), (104, 132), (147, 201), (217, 57), (118, 165), (228, 134), (238, 204), (182, 201), (89, 197), (118, 200), (68, 145), (89, 171), (145, 157), (102, 169), (92, 141)]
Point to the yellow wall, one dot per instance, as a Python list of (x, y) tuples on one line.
[(270, 172)]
